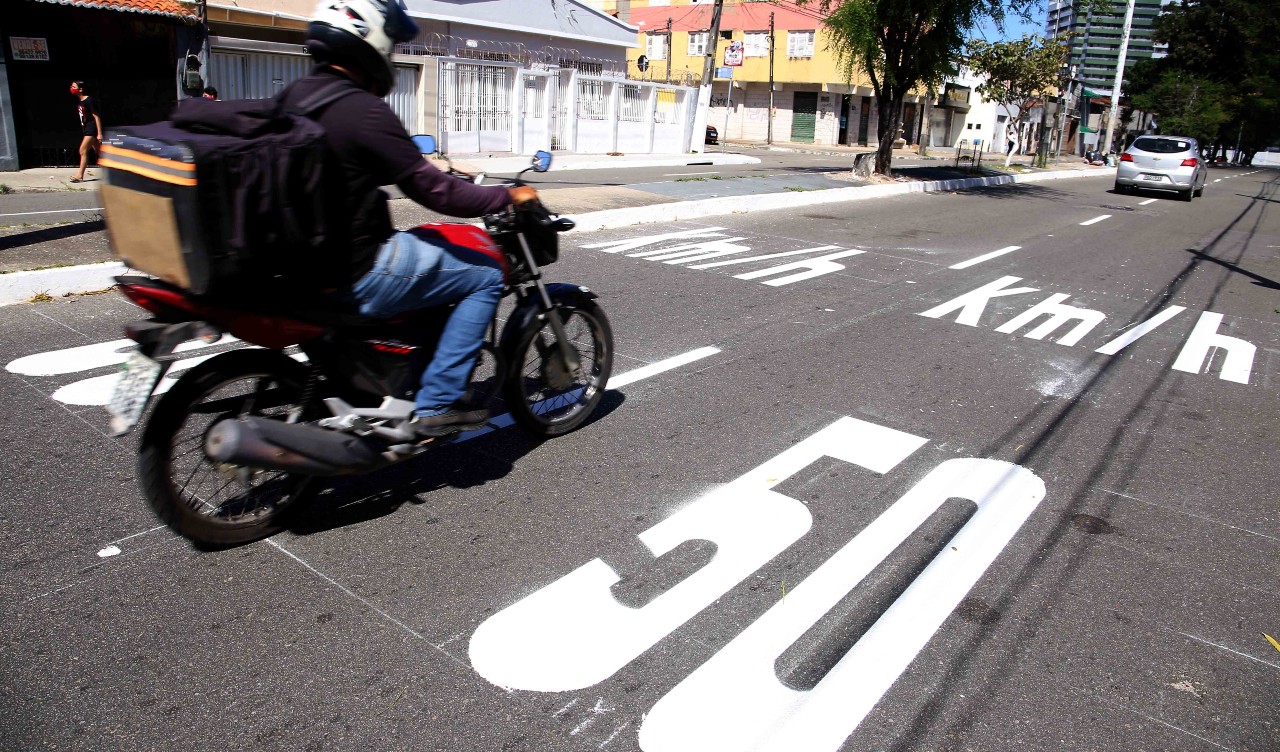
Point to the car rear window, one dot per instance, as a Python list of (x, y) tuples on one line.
[(1161, 145)]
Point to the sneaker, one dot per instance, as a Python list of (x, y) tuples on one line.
[(452, 420)]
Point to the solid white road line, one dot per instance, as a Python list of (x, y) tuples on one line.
[(1095, 220), (52, 211), (615, 382), (985, 257), (1148, 201), (653, 369)]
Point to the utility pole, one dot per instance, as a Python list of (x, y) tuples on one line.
[(668, 50), (699, 124), (1115, 89), (769, 120), (709, 62)]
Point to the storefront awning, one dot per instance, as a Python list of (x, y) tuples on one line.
[(167, 8), (1090, 93)]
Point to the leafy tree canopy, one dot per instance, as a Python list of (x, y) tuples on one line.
[(1220, 81), (1017, 74), (906, 44)]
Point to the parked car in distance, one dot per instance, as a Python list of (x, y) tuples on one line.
[(713, 135), (1167, 163)]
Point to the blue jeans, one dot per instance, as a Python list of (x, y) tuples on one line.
[(414, 270)]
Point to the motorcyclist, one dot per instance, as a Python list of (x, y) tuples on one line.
[(391, 272)]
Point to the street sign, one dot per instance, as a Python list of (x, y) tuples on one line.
[(725, 72), (642, 63), (733, 54)]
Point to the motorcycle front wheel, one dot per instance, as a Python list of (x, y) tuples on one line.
[(215, 504), (544, 395)]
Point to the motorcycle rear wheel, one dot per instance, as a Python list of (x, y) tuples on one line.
[(542, 395), (213, 504)]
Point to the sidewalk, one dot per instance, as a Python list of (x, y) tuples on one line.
[(35, 262), (934, 153), (59, 178)]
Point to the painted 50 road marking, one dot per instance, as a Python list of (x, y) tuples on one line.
[(572, 633)]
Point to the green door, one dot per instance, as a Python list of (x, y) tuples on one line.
[(804, 116)]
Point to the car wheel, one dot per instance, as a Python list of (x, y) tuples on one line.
[(1200, 191), (1122, 190), (1187, 194)]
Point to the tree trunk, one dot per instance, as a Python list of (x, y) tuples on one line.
[(888, 121), (926, 122)]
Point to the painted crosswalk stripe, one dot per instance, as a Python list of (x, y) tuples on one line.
[(1095, 220), (985, 257)]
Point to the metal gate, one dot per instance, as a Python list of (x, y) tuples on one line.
[(255, 75), (804, 116), (476, 109), (535, 94), (250, 74), (560, 89), (404, 97)]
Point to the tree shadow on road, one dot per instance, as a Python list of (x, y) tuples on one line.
[(1058, 419), (44, 235)]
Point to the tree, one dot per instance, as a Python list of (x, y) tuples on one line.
[(1017, 74), (1220, 81), (1186, 104), (903, 45)]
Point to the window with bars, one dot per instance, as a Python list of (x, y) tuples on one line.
[(592, 69), (534, 97), (698, 43), (632, 104), (800, 44), (592, 103), (656, 45), (756, 44)]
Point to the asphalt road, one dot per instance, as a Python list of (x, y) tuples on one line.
[(1096, 493)]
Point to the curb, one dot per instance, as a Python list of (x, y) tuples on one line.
[(18, 287), (503, 165), (611, 219)]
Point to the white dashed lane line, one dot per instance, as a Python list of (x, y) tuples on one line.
[(985, 257), (1148, 201), (1095, 220)]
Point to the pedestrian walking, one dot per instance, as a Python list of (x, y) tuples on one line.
[(90, 126)]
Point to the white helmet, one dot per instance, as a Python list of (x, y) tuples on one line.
[(361, 34)]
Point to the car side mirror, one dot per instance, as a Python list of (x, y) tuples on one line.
[(426, 144), (541, 161)]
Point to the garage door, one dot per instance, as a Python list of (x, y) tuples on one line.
[(245, 74), (804, 116)]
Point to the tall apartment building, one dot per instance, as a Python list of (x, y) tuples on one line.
[(1096, 47)]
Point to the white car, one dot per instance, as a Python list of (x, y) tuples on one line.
[(1167, 163)]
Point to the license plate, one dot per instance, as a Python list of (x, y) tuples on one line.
[(138, 377), (1149, 176)]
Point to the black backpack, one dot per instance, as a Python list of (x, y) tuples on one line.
[(228, 198)]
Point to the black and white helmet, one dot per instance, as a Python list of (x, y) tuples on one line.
[(361, 34)]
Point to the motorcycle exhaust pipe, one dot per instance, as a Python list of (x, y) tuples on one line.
[(291, 447)]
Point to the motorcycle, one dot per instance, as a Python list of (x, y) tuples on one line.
[(240, 440)]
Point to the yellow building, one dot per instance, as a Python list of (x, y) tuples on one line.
[(812, 101)]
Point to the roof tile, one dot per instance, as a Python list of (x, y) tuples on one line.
[(171, 8)]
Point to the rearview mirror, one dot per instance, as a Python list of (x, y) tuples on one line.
[(541, 161), (426, 144)]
